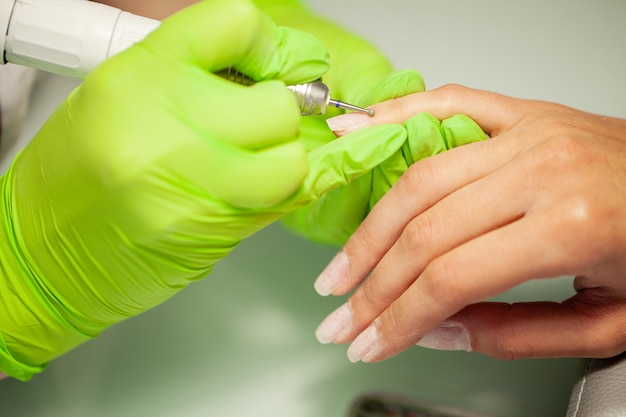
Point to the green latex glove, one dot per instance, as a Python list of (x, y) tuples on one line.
[(360, 74), (153, 170), (358, 69), (332, 219)]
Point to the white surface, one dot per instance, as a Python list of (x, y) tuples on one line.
[(572, 52), (241, 342)]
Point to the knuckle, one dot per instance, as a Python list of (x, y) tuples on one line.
[(417, 235), (583, 216), (441, 284), (418, 179), (562, 151), (368, 295), (452, 90), (363, 240)]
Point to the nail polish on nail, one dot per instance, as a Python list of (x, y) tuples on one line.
[(332, 275), (448, 336), (364, 346), (336, 324), (348, 122)]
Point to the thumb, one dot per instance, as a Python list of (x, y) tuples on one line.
[(574, 328), (341, 161)]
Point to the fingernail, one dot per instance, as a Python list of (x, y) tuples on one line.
[(336, 324), (348, 122), (448, 336), (332, 275), (364, 345)]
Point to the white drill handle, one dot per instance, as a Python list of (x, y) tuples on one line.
[(67, 37)]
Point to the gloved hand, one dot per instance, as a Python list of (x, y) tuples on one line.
[(360, 74), (358, 68), (153, 170)]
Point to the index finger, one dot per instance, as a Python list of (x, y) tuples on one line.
[(424, 184), (494, 113)]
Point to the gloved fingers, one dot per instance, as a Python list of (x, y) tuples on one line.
[(341, 161), (460, 130), (426, 136), (357, 65), (213, 35), (259, 116), (337, 215), (255, 179), (208, 107), (217, 34), (179, 77), (333, 218), (574, 328), (337, 189), (314, 132)]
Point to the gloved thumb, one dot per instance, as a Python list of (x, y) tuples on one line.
[(341, 161)]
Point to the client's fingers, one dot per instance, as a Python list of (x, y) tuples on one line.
[(574, 328), (423, 185), (474, 271), (493, 112)]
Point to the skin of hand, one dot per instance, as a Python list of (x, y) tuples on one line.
[(153, 9), (544, 197), (154, 169)]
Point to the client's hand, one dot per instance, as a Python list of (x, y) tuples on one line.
[(544, 197)]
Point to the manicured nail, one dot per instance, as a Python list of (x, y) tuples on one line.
[(348, 122), (333, 274), (335, 325), (448, 336), (364, 345)]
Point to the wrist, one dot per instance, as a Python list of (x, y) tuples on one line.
[(32, 330)]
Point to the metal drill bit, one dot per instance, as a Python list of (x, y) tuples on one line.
[(341, 105), (313, 97)]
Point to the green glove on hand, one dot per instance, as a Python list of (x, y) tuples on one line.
[(360, 74), (333, 219), (153, 170), (358, 70)]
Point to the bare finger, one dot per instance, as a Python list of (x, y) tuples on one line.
[(495, 113)]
